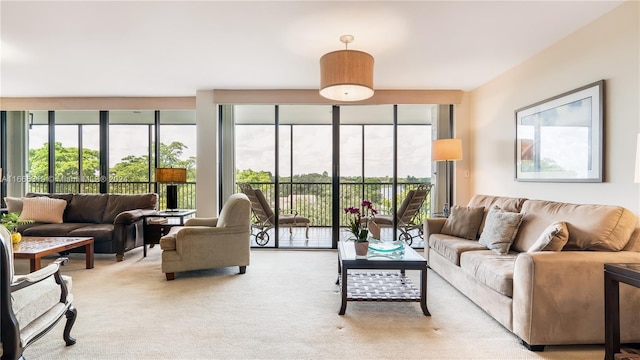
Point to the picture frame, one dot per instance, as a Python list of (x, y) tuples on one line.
[(560, 139)]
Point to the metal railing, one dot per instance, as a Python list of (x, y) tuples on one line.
[(309, 199), (313, 200)]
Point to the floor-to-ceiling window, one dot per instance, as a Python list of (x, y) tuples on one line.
[(384, 151), (72, 143)]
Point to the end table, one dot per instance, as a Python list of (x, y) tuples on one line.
[(158, 225)]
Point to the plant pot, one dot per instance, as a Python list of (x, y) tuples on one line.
[(362, 247), (16, 237)]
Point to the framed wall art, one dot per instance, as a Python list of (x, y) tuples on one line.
[(561, 139)]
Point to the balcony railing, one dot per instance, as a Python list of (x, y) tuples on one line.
[(313, 200), (310, 199)]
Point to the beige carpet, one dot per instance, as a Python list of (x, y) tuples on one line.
[(284, 307)]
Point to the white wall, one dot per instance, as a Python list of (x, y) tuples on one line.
[(607, 48)]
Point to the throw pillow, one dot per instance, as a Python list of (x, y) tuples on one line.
[(553, 238), (43, 210), (464, 222), (14, 204), (500, 229)]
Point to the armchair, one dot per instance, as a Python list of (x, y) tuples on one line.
[(32, 304), (205, 243)]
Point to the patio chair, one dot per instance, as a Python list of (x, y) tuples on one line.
[(407, 214), (264, 219)]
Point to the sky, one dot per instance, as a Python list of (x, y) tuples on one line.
[(312, 150)]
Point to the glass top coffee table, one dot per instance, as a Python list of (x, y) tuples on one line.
[(380, 285)]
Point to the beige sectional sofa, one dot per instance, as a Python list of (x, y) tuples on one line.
[(543, 297)]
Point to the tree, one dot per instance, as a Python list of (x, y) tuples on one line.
[(67, 164)]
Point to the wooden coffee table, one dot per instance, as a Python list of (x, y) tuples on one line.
[(35, 247)]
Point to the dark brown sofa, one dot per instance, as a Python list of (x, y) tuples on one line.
[(113, 220)]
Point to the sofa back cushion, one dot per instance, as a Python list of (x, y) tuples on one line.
[(118, 203), (505, 203), (86, 208), (590, 226)]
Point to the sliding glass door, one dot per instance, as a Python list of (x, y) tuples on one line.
[(297, 155)]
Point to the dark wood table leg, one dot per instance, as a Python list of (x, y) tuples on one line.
[(611, 317), (34, 263), (88, 249), (423, 291), (343, 307)]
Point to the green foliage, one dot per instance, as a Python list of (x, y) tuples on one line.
[(130, 169), (251, 176), (11, 221)]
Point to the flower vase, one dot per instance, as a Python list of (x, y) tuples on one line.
[(362, 247), (16, 237)]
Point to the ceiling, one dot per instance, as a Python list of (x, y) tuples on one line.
[(173, 48)]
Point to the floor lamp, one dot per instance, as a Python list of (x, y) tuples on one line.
[(171, 176), (446, 150)]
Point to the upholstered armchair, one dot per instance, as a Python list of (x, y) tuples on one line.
[(205, 243), (32, 304)]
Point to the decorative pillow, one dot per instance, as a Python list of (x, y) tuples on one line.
[(14, 204), (43, 210), (464, 222), (500, 229), (553, 238)]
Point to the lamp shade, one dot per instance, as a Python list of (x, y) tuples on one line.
[(346, 75), (171, 175), (446, 150)]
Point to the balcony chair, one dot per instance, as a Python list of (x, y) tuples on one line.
[(205, 243), (264, 218), (407, 214), (32, 304)]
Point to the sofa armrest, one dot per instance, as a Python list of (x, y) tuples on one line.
[(558, 297), (432, 226), (202, 222), (131, 216)]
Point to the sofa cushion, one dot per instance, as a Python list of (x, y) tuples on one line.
[(491, 269), (591, 227), (500, 229), (87, 208), (450, 247), (99, 232), (488, 201), (14, 204), (553, 238), (118, 203), (51, 229), (43, 209), (463, 222)]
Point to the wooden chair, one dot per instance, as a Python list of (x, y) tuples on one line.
[(32, 304), (264, 217)]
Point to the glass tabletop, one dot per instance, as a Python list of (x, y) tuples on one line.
[(348, 252)]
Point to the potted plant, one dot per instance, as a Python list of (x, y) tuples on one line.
[(11, 221), (358, 225)]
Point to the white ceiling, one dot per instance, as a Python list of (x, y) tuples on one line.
[(173, 48)]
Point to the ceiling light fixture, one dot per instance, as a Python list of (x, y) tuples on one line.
[(346, 75)]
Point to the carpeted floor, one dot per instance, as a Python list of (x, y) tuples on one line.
[(284, 307)]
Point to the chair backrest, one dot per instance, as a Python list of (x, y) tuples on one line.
[(412, 203), (7, 245), (259, 204), (236, 211)]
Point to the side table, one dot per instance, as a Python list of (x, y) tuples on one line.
[(614, 274), (158, 225)]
